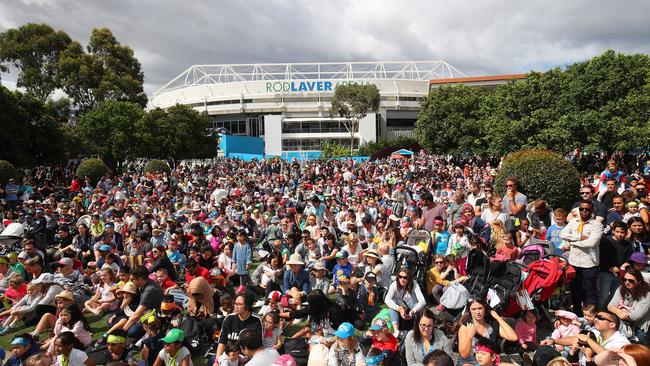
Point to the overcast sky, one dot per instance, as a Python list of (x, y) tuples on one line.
[(477, 37)]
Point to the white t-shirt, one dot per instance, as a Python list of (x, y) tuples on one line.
[(617, 340), (264, 357), (77, 358), (180, 356)]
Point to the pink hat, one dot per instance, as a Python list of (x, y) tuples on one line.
[(285, 360), (566, 314)]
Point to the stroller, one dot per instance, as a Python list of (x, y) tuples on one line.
[(478, 270), (415, 255), (531, 253)]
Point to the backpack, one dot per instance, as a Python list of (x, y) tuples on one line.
[(318, 355), (191, 327), (298, 348)]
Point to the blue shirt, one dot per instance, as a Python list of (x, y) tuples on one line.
[(442, 242), (338, 271), (299, 281), (553, 235), (241, 256), (11, 192)]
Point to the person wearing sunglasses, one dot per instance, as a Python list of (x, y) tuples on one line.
[(607, 324), (583, 235), (631, 303), (404, 299), (587, 194)]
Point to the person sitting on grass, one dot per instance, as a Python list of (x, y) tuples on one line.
[(22, 347), (23, 307), (68, 351), (104, 298), (174, 353), (71, 320)]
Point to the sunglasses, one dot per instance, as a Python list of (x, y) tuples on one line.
[(510, 185), (602, 318), (439, 262), (403, 277), (584, 193), (630, 280), (584, 209)]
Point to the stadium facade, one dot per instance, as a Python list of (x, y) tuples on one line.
[(287, 105)]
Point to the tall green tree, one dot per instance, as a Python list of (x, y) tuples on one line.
[(179, 132), (34, 50), (105, 70), (353, 102), (110, 130), (449, 120)]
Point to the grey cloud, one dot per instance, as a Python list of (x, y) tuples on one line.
[(478, 37)]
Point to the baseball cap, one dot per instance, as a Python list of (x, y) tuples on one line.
[(639, 257), (65, 262), (341, 254), (371, 276), (44, 278), (345, 330), (105, 248), (275, 295), (378, 324), (173, 335)]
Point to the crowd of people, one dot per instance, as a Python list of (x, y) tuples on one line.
[(292, 263)]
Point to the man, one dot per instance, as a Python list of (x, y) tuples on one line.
[(296, 278), (514, 202), (607, 196), (606, 323), (11, 194), (587, 194), (115, 237), (242, 318), (614, 252), (151, 295), (475, 197), (617, 210), (583, 235), (116, 350), (193, 270), (71, 279), (251, 346), (430, 210)]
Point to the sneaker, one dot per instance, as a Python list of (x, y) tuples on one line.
[(6, 330)]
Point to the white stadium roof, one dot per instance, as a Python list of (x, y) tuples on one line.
[(232, 73)]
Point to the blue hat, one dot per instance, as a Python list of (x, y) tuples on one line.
[(346, 330), (378, 324), (341, 254), (105, 248), (20, 341)]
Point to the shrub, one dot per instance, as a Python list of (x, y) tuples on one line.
[(157, 166), (370, 148), (7, 170), (542, 174), (94, 168), (334, 150)]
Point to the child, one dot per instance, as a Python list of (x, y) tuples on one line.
[(231, 355), (151, 344), (440, 236), (368, 298), (524, 233), (313, 252), (25, 305), (272, 334), (124, 276), (110, 263), (507, 250), (242, 258), (564, 327), (588, 316), (553, 232), (632, 211), (342, 268), (526, 329), (318, 280), (273, 304), (458, 242), (174, 352), (166, 283), (382, 337), (16, 290), (104, 298), (72, 320)]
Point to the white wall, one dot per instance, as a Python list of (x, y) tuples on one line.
[(273, 134), (367, 129)]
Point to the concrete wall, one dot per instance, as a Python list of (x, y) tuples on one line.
[(367, 129), (230, 144), (273, 134)]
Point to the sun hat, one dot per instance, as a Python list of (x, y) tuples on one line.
[(345, 330), (44, 278), (296, 259), (341, 254), (65, 295), (373, 253), (378, 324), (173, 335), (318, 266), (640, 258), (129, 287)]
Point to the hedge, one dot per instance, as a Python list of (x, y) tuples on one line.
[(94, 168), (542, 174), (7, 170), (157, 166)]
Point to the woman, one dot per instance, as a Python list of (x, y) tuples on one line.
[(440, 276), (69, 353), (628, 355), (477, 323), (404, 299), (631, 302), (160, 260), (202, 298), (495, 212), (424, 338), (345, 351), (638, 235), (354, 249), (329, 250), (454, 211), (83, 243), (474, 223)]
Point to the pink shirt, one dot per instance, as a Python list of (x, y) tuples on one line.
[(526, 332)]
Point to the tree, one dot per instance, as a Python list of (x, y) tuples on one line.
[(334, 150), (34, 49), (106, 70), (179, 132), (449, 120), (353, 102), (110, 130)]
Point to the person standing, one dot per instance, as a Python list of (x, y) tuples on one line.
[(514, 202), (583, 235)]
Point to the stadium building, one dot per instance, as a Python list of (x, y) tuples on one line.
[(287, 105)]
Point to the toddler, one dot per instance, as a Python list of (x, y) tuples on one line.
[(526, 329), (632, 211), (231, 355), (25, 305), (524, 233), (564, 327)]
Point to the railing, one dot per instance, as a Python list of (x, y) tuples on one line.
[(393, 134)]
